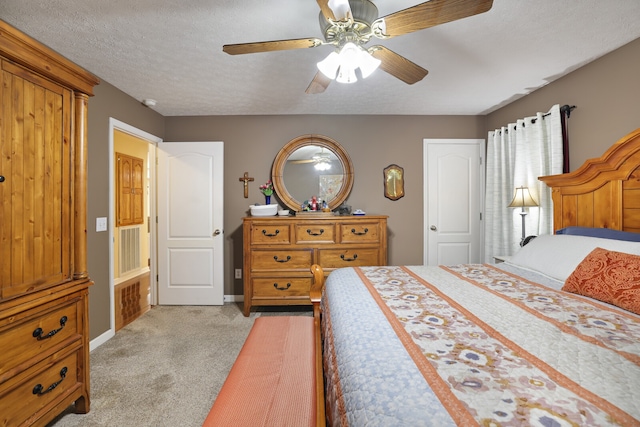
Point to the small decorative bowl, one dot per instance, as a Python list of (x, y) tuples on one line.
[(283, 212), (263, 210)]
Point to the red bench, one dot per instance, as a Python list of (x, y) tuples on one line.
[(273, 380)]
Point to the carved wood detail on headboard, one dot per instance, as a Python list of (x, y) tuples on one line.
[(603, 192)]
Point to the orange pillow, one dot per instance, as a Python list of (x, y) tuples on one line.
[(609, 276)]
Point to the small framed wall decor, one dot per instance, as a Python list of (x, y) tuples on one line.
[(393, 182)]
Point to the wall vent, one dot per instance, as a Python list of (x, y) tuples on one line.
[(132, 299), (129, 303), (129, 249)]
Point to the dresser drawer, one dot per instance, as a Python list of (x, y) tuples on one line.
[(37, 335), (299, 259), (360, 233), (316, 233), (270, 233), (281, 287), (337, 258), (41, 385)]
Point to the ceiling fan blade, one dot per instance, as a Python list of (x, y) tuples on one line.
[(298, 162), (319, 83), (270, 46), (335, 10), (426, 15), (397, 65)]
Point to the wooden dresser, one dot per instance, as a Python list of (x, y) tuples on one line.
[(279, 252), (44, 341)]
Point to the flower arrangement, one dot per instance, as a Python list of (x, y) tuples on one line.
[(267, 189)]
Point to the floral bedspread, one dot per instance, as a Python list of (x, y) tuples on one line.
[(474, 345)]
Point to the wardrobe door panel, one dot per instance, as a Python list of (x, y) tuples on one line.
[(35, 193)]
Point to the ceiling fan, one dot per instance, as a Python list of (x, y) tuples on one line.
[(350, 24), (321, 161), (321, 158)]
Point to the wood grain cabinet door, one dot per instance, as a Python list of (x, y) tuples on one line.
[(129, 190), (35, 191)]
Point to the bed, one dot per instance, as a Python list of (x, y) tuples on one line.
[(551, 337)]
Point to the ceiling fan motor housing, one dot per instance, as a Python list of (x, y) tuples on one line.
[(364, 12)]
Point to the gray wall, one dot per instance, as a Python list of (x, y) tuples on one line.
[(605, 91), (108, 102), (373, 142)]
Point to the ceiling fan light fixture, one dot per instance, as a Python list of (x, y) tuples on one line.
[(341, 9), (322, 165), (368, 64), (322, 161), (346, 74), (329, 66), (350, 56), (345, 63)]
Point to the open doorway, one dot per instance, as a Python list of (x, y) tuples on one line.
[(132, 234)]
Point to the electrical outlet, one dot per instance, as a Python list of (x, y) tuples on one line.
[(238, 273)]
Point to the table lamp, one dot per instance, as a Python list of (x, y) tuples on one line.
[(522, 199)]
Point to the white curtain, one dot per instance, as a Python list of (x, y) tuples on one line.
[(517, 154)]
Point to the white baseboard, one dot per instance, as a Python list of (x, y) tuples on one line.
[(234, 298), (98, 341)]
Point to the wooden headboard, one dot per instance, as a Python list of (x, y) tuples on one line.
[(603, 192)]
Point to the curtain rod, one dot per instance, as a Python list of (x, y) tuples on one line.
[(565, 109)]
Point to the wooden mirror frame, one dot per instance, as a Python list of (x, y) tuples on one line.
[(280, 161)]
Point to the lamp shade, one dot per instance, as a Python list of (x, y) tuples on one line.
[(368, 64), (329, 66), (522, 199), (340, 8)]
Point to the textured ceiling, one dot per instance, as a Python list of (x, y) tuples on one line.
[(171, 51)]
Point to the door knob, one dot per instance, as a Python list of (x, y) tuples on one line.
[(217, 232), (433, 228)]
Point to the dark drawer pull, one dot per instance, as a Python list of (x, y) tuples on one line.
[(275, 285), (37, 333), (39, 389), (282, 260), (355, 256), (270, 235), (359, 233), (311, 233)]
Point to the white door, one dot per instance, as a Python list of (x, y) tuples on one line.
[(454, 189), (190, 239)]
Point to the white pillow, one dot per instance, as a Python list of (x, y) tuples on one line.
[(558, 255)]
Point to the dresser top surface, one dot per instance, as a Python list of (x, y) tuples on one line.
[(312, 217)]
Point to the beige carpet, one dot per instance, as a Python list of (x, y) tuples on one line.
[(166, 368)]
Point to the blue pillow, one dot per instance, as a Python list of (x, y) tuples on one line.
[(604, 233)]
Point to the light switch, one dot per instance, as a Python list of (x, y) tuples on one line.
[(101, 224)]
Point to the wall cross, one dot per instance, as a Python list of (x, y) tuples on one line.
[(246, 180)]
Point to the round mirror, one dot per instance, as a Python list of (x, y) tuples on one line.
[(312, 165)]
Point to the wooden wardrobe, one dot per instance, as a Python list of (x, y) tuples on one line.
[(44, 341)]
